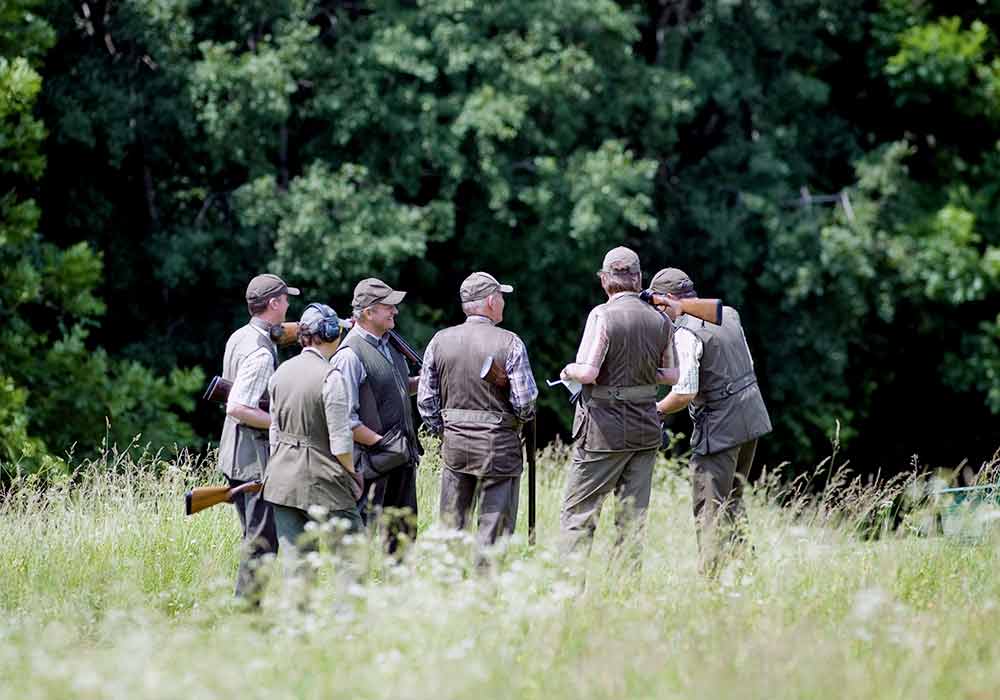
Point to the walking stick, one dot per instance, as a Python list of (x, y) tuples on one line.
[(530, 437)]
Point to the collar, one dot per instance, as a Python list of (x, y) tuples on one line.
[(261, 326), (371, 337), (478, 318), (314, 351), (619, 295)]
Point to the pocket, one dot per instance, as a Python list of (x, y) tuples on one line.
[(580, 420), (390, 452)]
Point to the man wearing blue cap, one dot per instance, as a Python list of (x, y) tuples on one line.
[(312, 461)]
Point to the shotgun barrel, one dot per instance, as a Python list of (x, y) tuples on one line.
[(407, 350)]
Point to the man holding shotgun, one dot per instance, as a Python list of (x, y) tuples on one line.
[(379, 389), (625, 352), (249, 361), (719, 388), (478, 420)]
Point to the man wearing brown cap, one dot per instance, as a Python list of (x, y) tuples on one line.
[(719, 388), (478, 421), (249, 361), (625, 352), (379, 389)]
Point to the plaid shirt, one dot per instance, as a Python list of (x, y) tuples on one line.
[(523, 390), (254, 372)]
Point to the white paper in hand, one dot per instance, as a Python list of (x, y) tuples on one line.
[(574, 387)]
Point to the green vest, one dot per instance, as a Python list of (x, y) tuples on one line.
[(618, 412), (384, 397), (242, 449), (480, 429), (728, 409), (302, 471)]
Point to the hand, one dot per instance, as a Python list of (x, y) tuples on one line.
[(357, 484), (564, 375)]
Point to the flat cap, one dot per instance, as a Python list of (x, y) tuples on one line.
[(480, 285), (621, 259), (268, 285), (374, 291), (315, 314), (670, 280)]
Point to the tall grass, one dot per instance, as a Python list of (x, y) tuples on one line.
[(108, 591)]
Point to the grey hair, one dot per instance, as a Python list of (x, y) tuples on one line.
[(477, 307), (615, 282)]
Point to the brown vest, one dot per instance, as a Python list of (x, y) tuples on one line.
[(728, 409), (302, 471), (242, 449), (480, 429), (618, 412)]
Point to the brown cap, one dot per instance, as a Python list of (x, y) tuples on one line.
[(267, 285), (621, 259), (480, 285), (374, 291), (670, 280)]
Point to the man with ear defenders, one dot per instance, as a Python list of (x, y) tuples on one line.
[(312, 461)]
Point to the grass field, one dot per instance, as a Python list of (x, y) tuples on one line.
[(108, 591)]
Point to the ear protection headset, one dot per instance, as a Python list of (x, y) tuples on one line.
[(327, 328)]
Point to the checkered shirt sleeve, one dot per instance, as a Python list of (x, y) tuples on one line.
[(429, 391), (689, 348), (523, 390), (252, 377)]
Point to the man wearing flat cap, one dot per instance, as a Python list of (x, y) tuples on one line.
[(478, 421), (249, 361), (625, 352), (379, 389), (312, 449), (719, 388)]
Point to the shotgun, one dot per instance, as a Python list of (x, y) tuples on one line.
[(496, 375), (407, 350), (202, 497), (218, 391), (705, 309)]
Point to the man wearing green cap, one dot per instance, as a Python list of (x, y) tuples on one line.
[(379, 388), (719, 388), (312, 460), (249, 361), (477, 420), (625, 352)]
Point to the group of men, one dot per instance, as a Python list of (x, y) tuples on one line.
[(338, 438)]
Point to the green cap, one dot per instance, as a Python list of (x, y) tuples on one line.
[(480, 285), (268, 285), (670, 280), (621, 259), (374, 291)]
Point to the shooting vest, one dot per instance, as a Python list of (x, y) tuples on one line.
[(480, 429), (302, 470), (728, 409), (384, 396), (618, 412), (242, 449)]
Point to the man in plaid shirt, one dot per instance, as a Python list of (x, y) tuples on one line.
[(478, 421)]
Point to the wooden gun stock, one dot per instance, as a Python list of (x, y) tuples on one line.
[(284, 333), (198, 499), (407, 350), (218, 391), (709, 310), (493, 373)]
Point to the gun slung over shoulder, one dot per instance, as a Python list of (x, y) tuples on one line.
[(493, 373), (709, 310)]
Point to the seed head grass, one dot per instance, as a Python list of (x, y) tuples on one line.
[(107, 590)]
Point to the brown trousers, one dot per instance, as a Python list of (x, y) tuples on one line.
[(717, 496), (498, 500), (592, 476)]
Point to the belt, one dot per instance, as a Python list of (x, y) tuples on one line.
[(462, 415), (295, 440), (638, 393), (734, 387)]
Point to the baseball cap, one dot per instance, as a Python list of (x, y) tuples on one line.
[(374, 291), (670, 280), (480, 285), (621, 259), (317, 313), (268, 285)]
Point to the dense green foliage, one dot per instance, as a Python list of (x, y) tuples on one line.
[(193, 144)]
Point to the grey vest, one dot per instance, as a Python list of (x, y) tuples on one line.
[(242, 449), (728, 409), (618, 412), (480, 428), (302, 471), (384, 397)]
